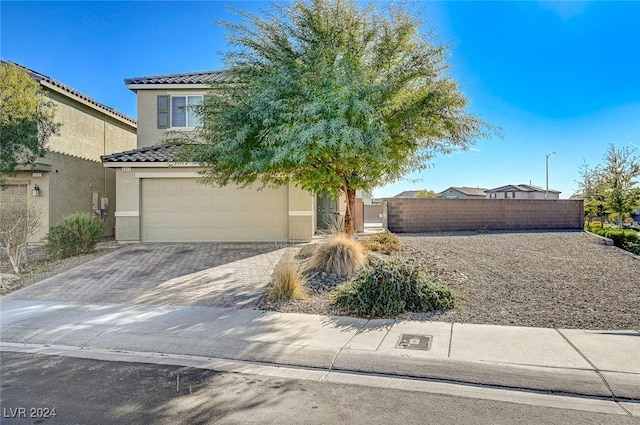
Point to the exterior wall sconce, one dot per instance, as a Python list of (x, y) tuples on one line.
[(36, 191)]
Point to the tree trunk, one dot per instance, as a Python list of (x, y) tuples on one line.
[(350, 195)]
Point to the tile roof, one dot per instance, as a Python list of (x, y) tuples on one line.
[(407, 194), (471, 191), (68, 90), (163, 153), (520, 188), (189, 78)]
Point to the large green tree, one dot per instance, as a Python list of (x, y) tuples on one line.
[(333, 97), (427, 194), (592, 189), (621, 179), (26, 119)]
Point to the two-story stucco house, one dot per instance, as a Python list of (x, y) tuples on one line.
[(71, 178), (161, 200), (521, 191)]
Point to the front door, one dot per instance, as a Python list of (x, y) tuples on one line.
[(327, 211)]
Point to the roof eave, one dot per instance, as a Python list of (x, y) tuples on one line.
[(150, 164)]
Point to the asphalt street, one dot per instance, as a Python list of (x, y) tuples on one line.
[(34, 387)]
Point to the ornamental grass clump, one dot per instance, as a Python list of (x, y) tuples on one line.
[(340, 255), (287, 283), (391, 287), (385, 243)]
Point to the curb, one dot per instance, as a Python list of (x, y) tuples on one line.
[(552, 381), (432, 386), (609, 242)]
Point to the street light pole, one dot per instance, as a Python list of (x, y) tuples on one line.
[(546, 193)]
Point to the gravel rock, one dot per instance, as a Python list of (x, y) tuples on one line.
[(534, 279)]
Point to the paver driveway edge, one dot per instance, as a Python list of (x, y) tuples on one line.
[(207, 274)]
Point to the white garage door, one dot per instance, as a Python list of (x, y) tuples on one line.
[(182, 210)]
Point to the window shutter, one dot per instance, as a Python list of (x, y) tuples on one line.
[(163, 111)]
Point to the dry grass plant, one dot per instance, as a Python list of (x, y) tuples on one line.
[(307, 251), (339, 255), (333, 225), (385, 243), (287, 282)]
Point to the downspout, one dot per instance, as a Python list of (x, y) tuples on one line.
[(104, 152)]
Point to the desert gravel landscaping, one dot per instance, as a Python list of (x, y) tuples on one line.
[(551, 279), (541, 279)]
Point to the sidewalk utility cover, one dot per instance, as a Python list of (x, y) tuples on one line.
[(415, 342)]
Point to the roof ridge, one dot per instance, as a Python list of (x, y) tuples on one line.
[(144, 77), (199, 77)]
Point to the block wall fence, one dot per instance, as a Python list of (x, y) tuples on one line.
[(409, 215)]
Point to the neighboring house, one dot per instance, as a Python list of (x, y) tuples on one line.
[(521, 191), (463, 192), (635, 216), (160, 200), (71, 178), (407, 194)]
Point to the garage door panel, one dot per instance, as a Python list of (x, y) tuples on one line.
[(206, 201), (181, 209)]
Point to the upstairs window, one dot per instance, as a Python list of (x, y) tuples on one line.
[(178, 111)]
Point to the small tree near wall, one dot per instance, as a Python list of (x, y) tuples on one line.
[(18, 222)]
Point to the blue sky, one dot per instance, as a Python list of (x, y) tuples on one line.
[(556, 76)]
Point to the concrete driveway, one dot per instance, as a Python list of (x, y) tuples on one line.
[(190, 274)]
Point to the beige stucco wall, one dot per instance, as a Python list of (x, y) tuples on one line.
[(127, 211), (302, 210), (148, 132), (73, 183), (86, 132)]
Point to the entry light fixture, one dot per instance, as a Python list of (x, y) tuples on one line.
[(36, 191)]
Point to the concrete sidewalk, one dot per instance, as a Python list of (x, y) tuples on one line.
[(588, 363)]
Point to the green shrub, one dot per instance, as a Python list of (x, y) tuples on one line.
[(385, 242), (391, 287), (633, 247), (340, 255), (75, 234), (622, 238)]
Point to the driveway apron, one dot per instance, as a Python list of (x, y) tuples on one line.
[(192, 274)]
